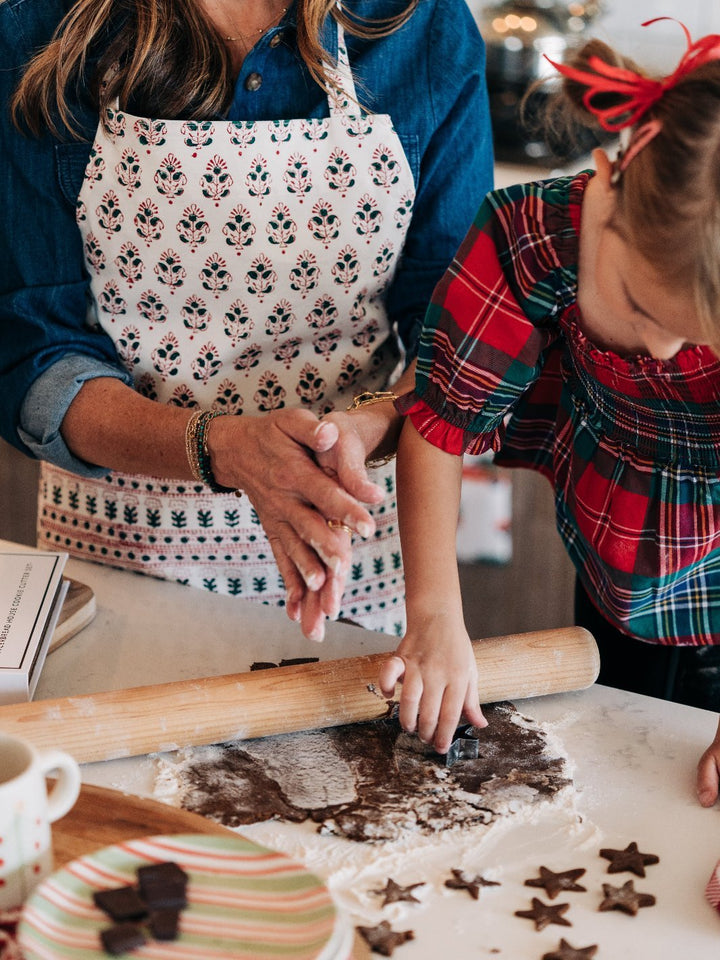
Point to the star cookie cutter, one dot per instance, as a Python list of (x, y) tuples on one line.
[(465, 746)]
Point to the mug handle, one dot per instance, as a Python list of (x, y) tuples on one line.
[(66, 788)]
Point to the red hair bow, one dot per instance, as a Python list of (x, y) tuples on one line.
[(640, 92)]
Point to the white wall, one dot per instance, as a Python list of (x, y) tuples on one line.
[(657, 47), (660, 45)]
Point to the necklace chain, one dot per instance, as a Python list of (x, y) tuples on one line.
[(257, 33)]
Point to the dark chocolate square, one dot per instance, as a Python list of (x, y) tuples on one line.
[(167, 872), (164, 924), (121, 903), (122, 938)]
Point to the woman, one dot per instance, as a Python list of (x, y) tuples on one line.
[(198, 220)]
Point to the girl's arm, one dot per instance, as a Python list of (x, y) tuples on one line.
[(434, 660), (708, 773)]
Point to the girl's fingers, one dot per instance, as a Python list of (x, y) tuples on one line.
[(412, 694), (391, 673)]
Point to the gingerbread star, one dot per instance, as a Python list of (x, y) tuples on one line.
[(555, 882), (629, 859), (566, 952), (393, 892), (545, 913), (625, 898), (383, 939), (462, 881)]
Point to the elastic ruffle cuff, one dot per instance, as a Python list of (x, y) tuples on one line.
[(440, 433)]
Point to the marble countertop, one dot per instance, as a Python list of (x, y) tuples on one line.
[(633, 758)]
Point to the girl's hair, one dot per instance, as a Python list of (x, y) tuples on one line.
[(163, 56), (669, 193)]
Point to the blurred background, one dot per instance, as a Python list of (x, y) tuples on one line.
[(514, 571)]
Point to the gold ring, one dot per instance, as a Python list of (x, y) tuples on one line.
[(339, 525)]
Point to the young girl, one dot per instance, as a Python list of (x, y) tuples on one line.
[(576, 333)]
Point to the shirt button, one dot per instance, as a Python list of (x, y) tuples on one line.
[(253, 82), (276, 39)]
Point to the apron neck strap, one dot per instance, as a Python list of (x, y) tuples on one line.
[(342, 98)]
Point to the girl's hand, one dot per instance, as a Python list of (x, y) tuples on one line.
[(439, 682), (708, 773)]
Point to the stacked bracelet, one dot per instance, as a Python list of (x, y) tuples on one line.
[(197, 450)]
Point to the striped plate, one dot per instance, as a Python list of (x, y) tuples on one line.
[(244, 901)]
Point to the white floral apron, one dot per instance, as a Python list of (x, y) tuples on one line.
[(239, 266)]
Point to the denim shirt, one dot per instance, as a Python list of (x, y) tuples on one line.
[(429, 76)]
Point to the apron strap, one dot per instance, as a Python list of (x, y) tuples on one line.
[(342, 101)]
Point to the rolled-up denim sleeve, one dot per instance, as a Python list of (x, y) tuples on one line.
[(46, 403)]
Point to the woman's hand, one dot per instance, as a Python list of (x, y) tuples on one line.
[(272, 458), (437, 668), (708, 773)]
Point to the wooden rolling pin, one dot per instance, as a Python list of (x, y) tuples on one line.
[(167, 716)]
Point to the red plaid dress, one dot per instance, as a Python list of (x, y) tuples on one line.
[(630, 446)]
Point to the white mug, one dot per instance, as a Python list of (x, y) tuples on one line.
[(26, 812)]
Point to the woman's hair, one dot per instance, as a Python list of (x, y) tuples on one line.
[(163, 56), (669, 192)]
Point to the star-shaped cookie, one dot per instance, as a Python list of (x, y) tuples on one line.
[(630, 859), (462, 881), (625, 898), (383, 939), (554, 883), (392, 892), (544, 913), (566, 952)]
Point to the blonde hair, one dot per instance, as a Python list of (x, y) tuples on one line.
[(172, 61), (668, 195)]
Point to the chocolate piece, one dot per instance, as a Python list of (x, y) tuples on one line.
[(566, 952), (393, 892), (555, 882), (122, 938), (545, 913), (163, 924), (168, 872), (625, 898), (630, 859), (462, 881), (163, 885), (289, 662), (383, 939), (121, 903)]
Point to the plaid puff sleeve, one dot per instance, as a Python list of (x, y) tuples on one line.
[(494, 313)]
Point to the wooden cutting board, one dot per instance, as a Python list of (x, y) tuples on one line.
[(102, 817)]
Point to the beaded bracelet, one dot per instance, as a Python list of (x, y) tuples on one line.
[(197, 451)]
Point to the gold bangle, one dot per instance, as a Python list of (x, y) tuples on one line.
[(364, 399), (367, 397)]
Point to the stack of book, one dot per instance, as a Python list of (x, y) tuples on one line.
[(32, 591)]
